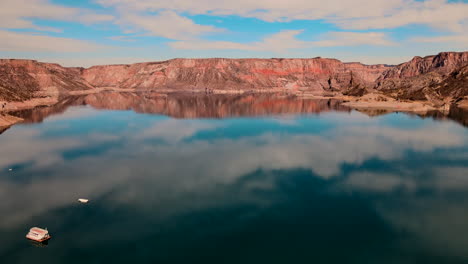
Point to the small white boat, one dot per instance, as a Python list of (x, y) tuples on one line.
[(81, 200), (38, 234)]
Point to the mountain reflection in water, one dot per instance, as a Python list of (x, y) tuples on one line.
[(274, 183), (182, 105), (186, 105)]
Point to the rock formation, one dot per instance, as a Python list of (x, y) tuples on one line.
[(26, 79), (237, 74), (434, 78), (439, 79)]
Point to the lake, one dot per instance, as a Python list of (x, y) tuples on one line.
[(233, 179)]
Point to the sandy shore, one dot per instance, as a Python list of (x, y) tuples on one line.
[(28, 104), (8, 120), (381, 102), (414, 107)]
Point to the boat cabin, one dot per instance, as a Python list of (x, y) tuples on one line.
[(38, 234)]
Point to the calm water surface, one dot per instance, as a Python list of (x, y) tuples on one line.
[(206, 180)]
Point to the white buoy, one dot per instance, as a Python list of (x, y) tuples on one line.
[(83, 200), (10, 169)]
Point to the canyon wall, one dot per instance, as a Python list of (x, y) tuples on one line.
[(443, 63), (434, 78), (237, 74), (26, 79)]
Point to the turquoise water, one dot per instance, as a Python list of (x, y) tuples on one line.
[(329, 187)]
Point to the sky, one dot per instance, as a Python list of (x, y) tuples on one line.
[(95, 32)]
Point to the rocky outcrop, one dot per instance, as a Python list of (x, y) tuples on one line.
[(26, 79), (455, 85), (439, 79), (442, 63), (15, 83)]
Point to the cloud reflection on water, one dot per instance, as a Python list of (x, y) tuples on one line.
[(166, 167)]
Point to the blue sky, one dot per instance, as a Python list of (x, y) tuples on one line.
[(90, 32)]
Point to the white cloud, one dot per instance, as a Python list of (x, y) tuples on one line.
[(435, 13), (42, 152), (18, 14), (175, 130), (452, 39), (122, 38), (166, 24), (286, 40), (334, 39), (91, 61), (12, 41), (278, 42), (358, 14)]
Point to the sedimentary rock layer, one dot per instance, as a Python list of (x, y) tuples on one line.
[(312, 74), (432, 78), (25, 79), (438, 78)]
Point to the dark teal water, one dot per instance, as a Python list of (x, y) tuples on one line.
[(335, 187)]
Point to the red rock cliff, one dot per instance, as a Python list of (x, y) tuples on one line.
[(420, 78), (443, 63), (313, 74), (26, 79)]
